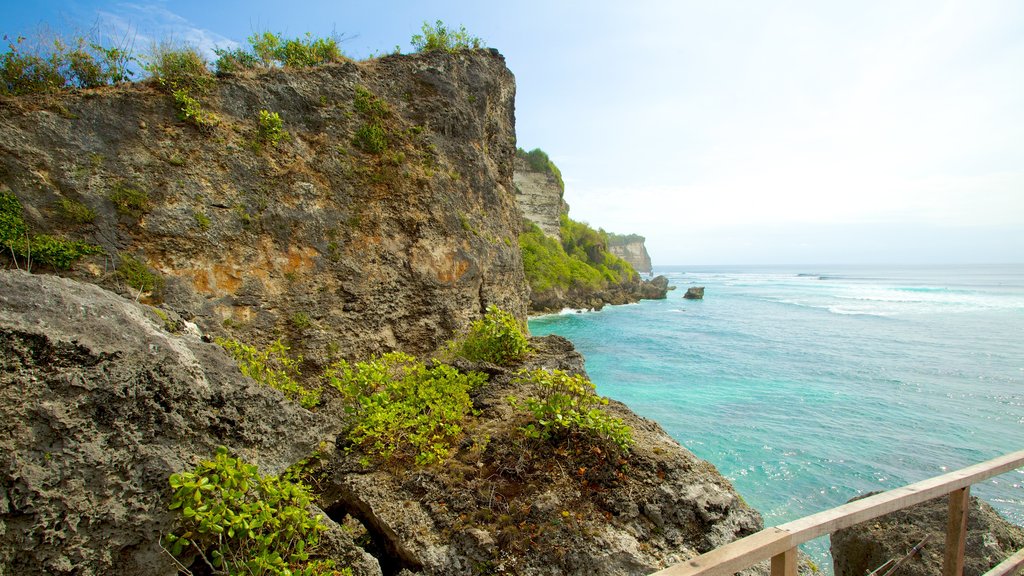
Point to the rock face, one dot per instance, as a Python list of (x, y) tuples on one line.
[(539, 197), (98, 406), (312, 240), (505, 504), (655, 289), (694, 293), (862, 548), (631, 248)]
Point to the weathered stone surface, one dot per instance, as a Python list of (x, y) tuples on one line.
[(862, 548), (98, 406), (539, 197), (506, 504), (655, 289), (343, 252), (632, 249), (694, 293)]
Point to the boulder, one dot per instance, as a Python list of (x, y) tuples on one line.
[(990, 540), (694, 293), (654, 289)]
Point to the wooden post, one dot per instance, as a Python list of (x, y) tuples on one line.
[(956, 532), (784, 564)]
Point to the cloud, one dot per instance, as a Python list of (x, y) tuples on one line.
[(151, 24)]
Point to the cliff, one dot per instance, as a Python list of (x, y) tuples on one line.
[(539, 195), (312, 240), (109, 382), (631, 248)]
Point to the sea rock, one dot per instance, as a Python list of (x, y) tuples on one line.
[(655, 289), (99, 405), (694, 293), (862, 548)]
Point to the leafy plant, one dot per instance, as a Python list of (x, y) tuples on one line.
[(369, 105), (241, 522), (567, 403), (75, 211), (269, 127), (42, 249), (497, 338), (136, 274), (202, 220), (56, 64), (441, 37), (12, 226), (405, 408), (191, 110), (268, 49), (273, 367), (371, 138), (129, 200), (178, 68), (231, 61), (539, 161)]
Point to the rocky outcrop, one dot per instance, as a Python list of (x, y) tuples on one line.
[(655, 289), (341, 251), (539, 196), (631, 248), (99, 404), (505, 504), (862, 548), (694, 293)]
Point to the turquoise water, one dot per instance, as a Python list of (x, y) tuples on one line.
[(806, 386)]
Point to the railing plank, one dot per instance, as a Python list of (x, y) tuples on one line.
[(734, 556), (770, 542), (784, 564), (1010, 566), (956, 532)]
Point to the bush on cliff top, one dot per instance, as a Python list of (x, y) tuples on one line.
[(440, 37), (54, 64)]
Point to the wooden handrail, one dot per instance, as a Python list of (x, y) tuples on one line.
[(781, 541)]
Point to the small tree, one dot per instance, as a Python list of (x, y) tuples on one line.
[(440, 37)]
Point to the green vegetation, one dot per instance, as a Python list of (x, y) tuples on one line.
[(567, 404), (405, 408), (273, 367), (623, 239), (58, 253), (128, 200), (581, 260), (136, 274), (243, 523), (269, 127), (178, 68), (441, 37), (58, 64), (371, 136), (538, 161), (269, 50), (74, 211), (191, 110), (202, 220), (497, 338)]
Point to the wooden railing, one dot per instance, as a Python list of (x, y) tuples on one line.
[(780, 542)]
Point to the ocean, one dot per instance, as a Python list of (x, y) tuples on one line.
[(806, 386)]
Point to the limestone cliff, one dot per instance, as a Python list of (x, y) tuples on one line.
[(631, 248), (539, 195), (313, 240)]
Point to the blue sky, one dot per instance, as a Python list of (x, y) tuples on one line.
[(788, 132)]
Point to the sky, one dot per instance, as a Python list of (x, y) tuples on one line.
[(725, 132)]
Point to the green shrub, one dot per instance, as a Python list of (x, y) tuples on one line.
[(405, 408), (136, 274), (58, 252), (497, 338), (26, 73), (59, 64), (42, 249), (307, 51), (191, 110), (129, 201), (231, 61), (371, 138), (273, 367), (202, 220), (269, 127), (177, 68), (270, 50), (241, 522), (567, 404), (440, 37), (367, 104), (75, 211)]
